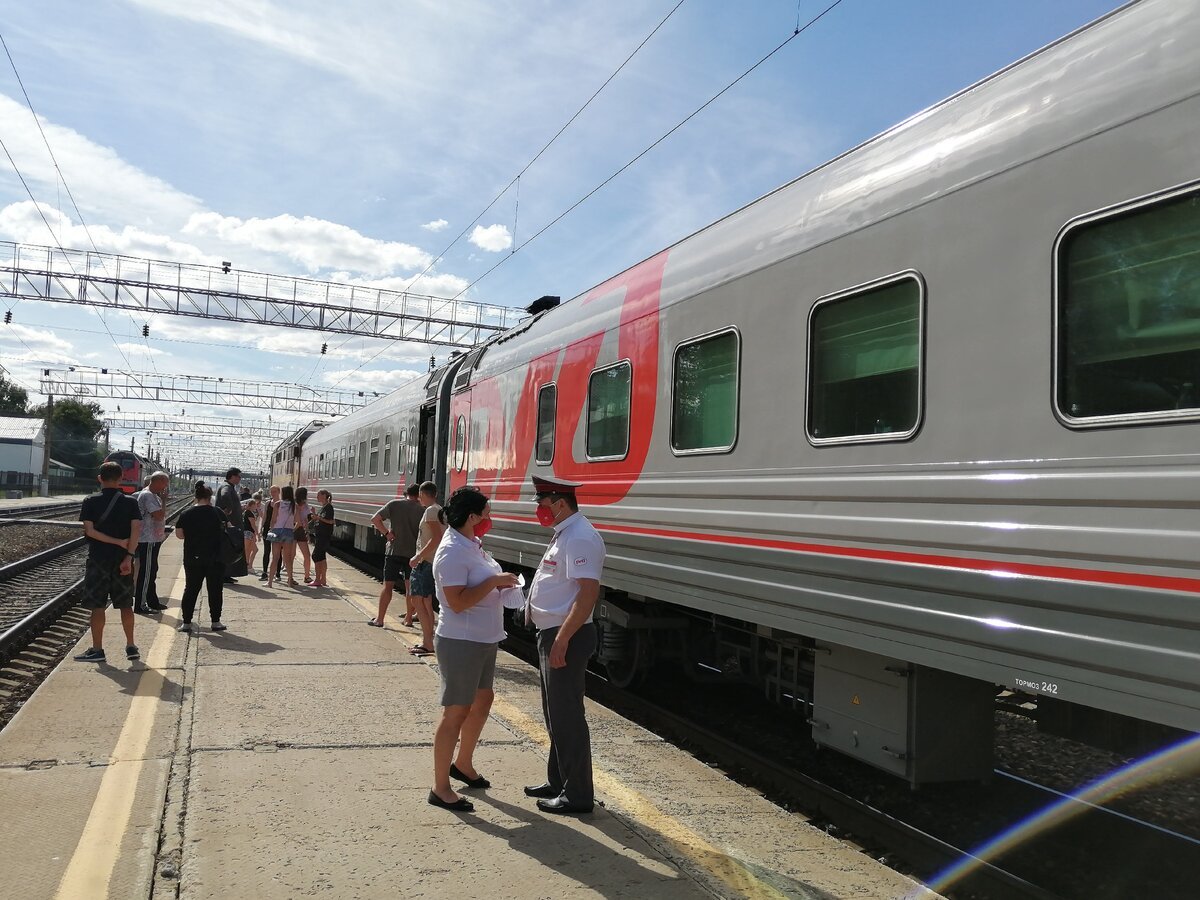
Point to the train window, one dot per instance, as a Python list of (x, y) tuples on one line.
[(373, 468), (403, 435), (362, 457), (547, 406), (1127, 314), (342, 464), (460, 444), (387, 453), (704, 414), (350, 461), (608, 412), (864, 362)]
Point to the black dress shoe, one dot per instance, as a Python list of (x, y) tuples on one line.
[(563, 806), (543, 790)]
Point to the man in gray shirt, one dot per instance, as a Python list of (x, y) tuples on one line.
[(403, 516)]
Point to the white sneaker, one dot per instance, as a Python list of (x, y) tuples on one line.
[(185, 627)]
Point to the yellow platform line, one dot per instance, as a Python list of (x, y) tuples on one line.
[(91, 867), (683, 840)]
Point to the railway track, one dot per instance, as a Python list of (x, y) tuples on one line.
[(40, 620)]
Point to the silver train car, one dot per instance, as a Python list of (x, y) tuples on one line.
[(917, 426)]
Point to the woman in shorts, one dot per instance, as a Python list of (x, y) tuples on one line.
[(303, 513), (283, 536), (471, 626), (322, 535), (250, 509)]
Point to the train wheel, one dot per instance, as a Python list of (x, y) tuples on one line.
[(626, 668)]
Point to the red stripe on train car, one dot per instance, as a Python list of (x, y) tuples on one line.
[(992, 566)]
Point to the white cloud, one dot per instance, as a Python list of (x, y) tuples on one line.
[(493, 238), (21, 222), (381, 381), (436, 225), (100, 180), (314, 243), (432, 285), (132, 349)]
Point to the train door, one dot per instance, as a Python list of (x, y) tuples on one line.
[(426, 444)]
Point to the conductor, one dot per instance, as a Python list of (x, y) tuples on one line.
[(560, 603)]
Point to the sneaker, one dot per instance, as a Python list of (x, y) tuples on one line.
[(217, 626), (142, 610), (262, 577), (158, 606), (131, 652), (94, 654), (185, 627)]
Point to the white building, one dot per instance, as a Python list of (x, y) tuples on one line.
[(22, 445)]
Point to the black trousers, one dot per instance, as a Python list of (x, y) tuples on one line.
[(203, 572), (145, 589), (265, 547), (569, 767)]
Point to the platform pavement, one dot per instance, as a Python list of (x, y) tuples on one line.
[(6, 504), (290, 756)]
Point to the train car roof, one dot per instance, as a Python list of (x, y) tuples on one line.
[(407, 396), (1081, 82)]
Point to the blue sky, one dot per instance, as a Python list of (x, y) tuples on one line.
[(354, 140)]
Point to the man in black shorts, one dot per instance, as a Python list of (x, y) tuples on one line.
[(403, 516), (112, 523)]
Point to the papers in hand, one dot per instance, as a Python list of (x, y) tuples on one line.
[(514, 597)]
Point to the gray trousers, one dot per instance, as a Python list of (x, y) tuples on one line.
[(569, 767)]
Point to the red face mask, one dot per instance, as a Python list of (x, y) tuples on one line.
[(482, 527), (545, 515)]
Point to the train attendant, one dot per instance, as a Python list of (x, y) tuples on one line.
[(421, 582), (560, 604), (112, 524), (468, 584), (322, 535), (403, 516), (202, 528)]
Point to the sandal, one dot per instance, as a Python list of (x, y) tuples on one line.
[(374, 624), (420, 650)]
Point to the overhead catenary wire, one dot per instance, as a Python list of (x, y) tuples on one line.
[(800, 29), (516, 180), (37, 205)]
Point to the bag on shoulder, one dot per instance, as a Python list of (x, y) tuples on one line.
[(233, 549)]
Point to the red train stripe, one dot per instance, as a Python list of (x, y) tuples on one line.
[(995, 567)]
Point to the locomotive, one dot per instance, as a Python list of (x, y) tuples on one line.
[(917, 427)]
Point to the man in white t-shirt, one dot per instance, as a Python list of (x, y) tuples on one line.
[(561, 600), (152, 504), (420, 582)]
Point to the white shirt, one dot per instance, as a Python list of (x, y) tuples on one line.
[(460, 561), (154, 530), (576, 551)]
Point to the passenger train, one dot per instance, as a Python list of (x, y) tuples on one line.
[(919, 426)]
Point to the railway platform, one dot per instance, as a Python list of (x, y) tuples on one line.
[(290, 756), (22, 502)]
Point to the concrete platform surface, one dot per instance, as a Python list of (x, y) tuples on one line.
[(291, 757)]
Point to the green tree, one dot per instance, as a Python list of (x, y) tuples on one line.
[(73, 434), (14, 399)]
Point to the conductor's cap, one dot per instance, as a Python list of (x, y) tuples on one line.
[(544, 486)]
